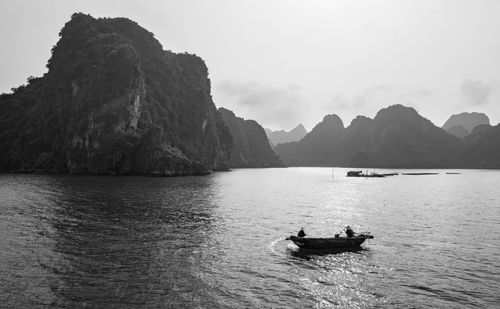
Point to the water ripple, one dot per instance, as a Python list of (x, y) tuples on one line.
[(218, 241)]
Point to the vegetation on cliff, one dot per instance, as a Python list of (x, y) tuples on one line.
[(113, 101)]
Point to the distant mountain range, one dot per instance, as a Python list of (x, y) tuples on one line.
[(282, 136), (398, 137)]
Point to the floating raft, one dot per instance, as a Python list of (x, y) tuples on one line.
[(371, 175), (417, 174)]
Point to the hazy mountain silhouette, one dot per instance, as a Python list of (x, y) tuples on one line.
[(397, 137), (282, 136), (355, 147), (314, 148), (113, 101), (458, 130), (403, 138), (250, 145), (462, 124), (483, 147)]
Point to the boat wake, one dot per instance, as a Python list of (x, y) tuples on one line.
[(275, 243)]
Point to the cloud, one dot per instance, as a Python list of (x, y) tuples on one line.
[(370, 100), (284, 107), (475, 92), (375, 96), (419, 93), (341, 102), (271, 106)]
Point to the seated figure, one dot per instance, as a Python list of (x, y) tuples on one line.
[(301, 233), (349, 232)]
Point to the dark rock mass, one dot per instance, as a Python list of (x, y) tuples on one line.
[(250, 144), (483, 147), (282, 136), (462, 124), (354, 148), (316, 147), (113, 102), (403, 138), (398, 137)]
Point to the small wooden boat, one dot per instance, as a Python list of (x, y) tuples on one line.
[(336, 242)]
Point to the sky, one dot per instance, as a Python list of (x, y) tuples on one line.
[(285, 62)]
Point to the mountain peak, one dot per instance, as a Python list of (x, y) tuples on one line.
[(299, 127), (400, 114), (223, 110), (360, 120), (330, 123), (397, 109), (333, 119), (467, 120)]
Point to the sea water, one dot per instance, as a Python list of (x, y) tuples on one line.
[(218, 241)]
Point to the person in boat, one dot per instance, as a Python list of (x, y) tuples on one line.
[(301, 233), (349, 232)]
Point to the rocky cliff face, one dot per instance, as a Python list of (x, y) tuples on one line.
[(113, 101), (282, 136), (462, 124), (250, 145), (397, 137)]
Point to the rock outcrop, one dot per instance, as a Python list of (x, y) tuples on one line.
[(114, 102), (250, 144)]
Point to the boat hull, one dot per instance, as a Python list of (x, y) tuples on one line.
[(329, 243)]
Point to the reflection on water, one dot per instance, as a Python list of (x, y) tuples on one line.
[(308, 254), (108, 240), (218, 241)]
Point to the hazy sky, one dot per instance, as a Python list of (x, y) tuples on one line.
[(288, 62)]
